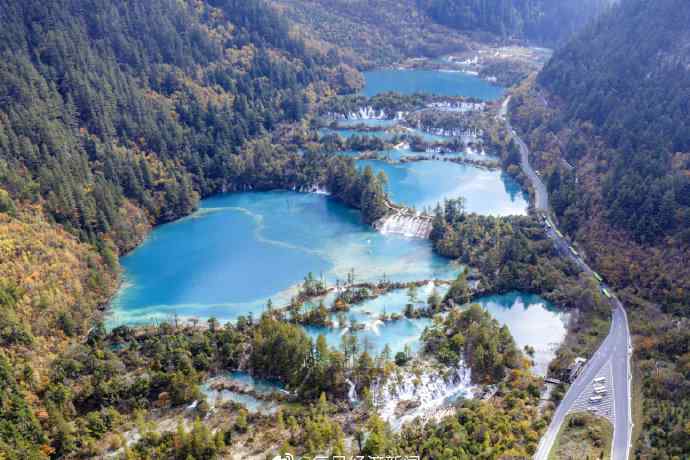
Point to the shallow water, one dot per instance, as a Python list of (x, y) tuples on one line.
[(423, 184), (251, 403), (532, 321), (397, 335), (239, 250), (438, 82)]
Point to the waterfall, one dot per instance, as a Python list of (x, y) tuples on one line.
[(462, 107), (406, 396), (402, 223), (374, 326), (352, 392), (319, 190), (367, 113)]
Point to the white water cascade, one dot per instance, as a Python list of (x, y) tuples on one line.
[(406, 224), (352, 392), (319, 190), (462, 107), (367, 113), (406, 396)]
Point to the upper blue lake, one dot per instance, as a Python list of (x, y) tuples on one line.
[(444, 83), (423, 184)]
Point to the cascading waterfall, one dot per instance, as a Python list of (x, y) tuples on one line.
[(374, 326), (367, 113), (319, 190), (462, 107), (352, 392), (362, 113), (428, 396), (406, 224)]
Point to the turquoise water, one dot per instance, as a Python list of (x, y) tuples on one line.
[(377, 334), (251, 403), (422, 184), (368, 122), (348, 133), (438, 82), (531, 320), (385, 135), (241, 249), (259, 385)]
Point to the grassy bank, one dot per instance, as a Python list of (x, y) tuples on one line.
[(583, 436)]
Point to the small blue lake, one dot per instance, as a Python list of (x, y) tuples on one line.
[(423, 184), (444, 83), (248, 400), (531, 320)]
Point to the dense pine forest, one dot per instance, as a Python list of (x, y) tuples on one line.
[(365, 33), (624, 142), (643, 118), (549, 22), (118, 107), (608, 120)]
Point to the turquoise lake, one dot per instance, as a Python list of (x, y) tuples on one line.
[(531, 320), (239, 250), (444, 83), (251, 403), (423, 184)]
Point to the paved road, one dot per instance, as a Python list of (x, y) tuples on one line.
[(541, 196), (610, 364)]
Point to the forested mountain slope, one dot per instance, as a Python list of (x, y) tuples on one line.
[(109, 105), (118, 115), (548, 22), (630, 77), (384, 32), (372, 33), (609, 122), (622, 89)]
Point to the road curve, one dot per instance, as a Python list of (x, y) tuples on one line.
[(611, 361), (541, 196)]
